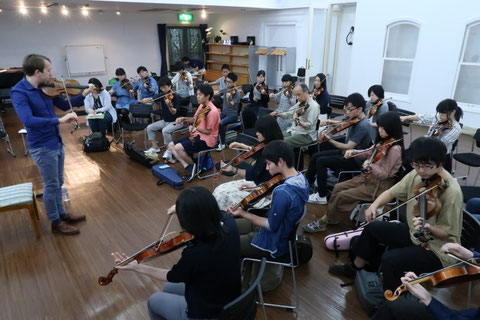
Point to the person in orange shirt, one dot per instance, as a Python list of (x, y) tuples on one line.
[(205, 133)]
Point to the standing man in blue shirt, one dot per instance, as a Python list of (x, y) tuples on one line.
[(146, 84), (36, 112)]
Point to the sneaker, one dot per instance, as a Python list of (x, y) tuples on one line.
[(70, 218), (189, 172), (167, 154), (344, 270), (220, 147), (314, 226), (315, 198), (64, 228), (152, 149)]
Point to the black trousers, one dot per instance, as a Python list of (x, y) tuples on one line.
[(402, 255), (323, 160)]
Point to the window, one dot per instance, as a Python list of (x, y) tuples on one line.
[(467, 89), (399, 54), (184, 42)]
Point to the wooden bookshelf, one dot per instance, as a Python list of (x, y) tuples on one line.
[(234, 55)]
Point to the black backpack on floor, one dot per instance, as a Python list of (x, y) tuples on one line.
[(96, 142)]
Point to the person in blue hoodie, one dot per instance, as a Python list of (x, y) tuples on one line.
[(268, 236)]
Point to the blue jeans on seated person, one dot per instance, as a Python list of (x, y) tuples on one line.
[(226, 120), (101, 125), (50, 164), (473, 206)]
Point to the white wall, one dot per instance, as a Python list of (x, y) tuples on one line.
[(130, 40), (343, 56), (255, 23), (439, 48)]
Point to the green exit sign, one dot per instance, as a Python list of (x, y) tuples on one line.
[(185, 17)]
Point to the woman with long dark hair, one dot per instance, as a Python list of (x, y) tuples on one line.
[(207, 276), (377, 176), (231, 192)]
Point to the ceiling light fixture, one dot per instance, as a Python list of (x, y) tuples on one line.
[(64, 11), (84, 11), (43, 9), (118, 13), (23, 10), (204, 14)]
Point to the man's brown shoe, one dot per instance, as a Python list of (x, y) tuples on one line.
[(64, 228), (70, 218)]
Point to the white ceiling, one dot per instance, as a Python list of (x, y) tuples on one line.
[(113, 6)]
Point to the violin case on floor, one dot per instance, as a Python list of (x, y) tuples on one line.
[(168, 175), (137, 155)]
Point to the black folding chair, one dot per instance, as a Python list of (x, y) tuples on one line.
[(245, 306)]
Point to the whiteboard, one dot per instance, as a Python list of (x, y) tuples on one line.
[(85, 60)]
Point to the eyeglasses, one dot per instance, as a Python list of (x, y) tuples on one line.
[(229, 81), (423, 167), (349, 109)]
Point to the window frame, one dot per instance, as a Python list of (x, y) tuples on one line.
[(394, 95), (460, 63)]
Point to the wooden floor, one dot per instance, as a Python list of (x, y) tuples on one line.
[(55, 277)]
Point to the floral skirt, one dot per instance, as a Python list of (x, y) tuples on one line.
[(227, 193)]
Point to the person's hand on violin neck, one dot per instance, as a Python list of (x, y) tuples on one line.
[(416, 289), (239, 212), (436, 232), (71, 116), (417, 224), (147, 100), (91, 88), (117, 257)]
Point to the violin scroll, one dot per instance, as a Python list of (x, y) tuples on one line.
[(103, 281)]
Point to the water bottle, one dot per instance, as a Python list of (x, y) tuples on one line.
[(65, 194)]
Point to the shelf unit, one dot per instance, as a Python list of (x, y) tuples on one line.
[(234, 55)]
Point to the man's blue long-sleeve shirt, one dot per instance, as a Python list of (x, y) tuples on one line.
[(36, 112)]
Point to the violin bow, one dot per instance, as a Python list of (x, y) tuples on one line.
[(472, 264), (400, 205), (384, 145), (75, 126), (162, 96)]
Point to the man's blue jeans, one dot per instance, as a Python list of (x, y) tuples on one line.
[(50, 165), (226, 120)]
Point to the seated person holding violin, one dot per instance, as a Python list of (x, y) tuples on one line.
[(285, 99), (146, 84), (169, 103), (433, 219), (429, 308), (304, 115), (222, 81), (376, 106), (259, 98), (207, 276), (320, 93), (251, 175), (444, 126), (203, 128), (268, 236), (231, 103), (332, 151), (382, 162), (183, 83), (99, 102), (121, 89)]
